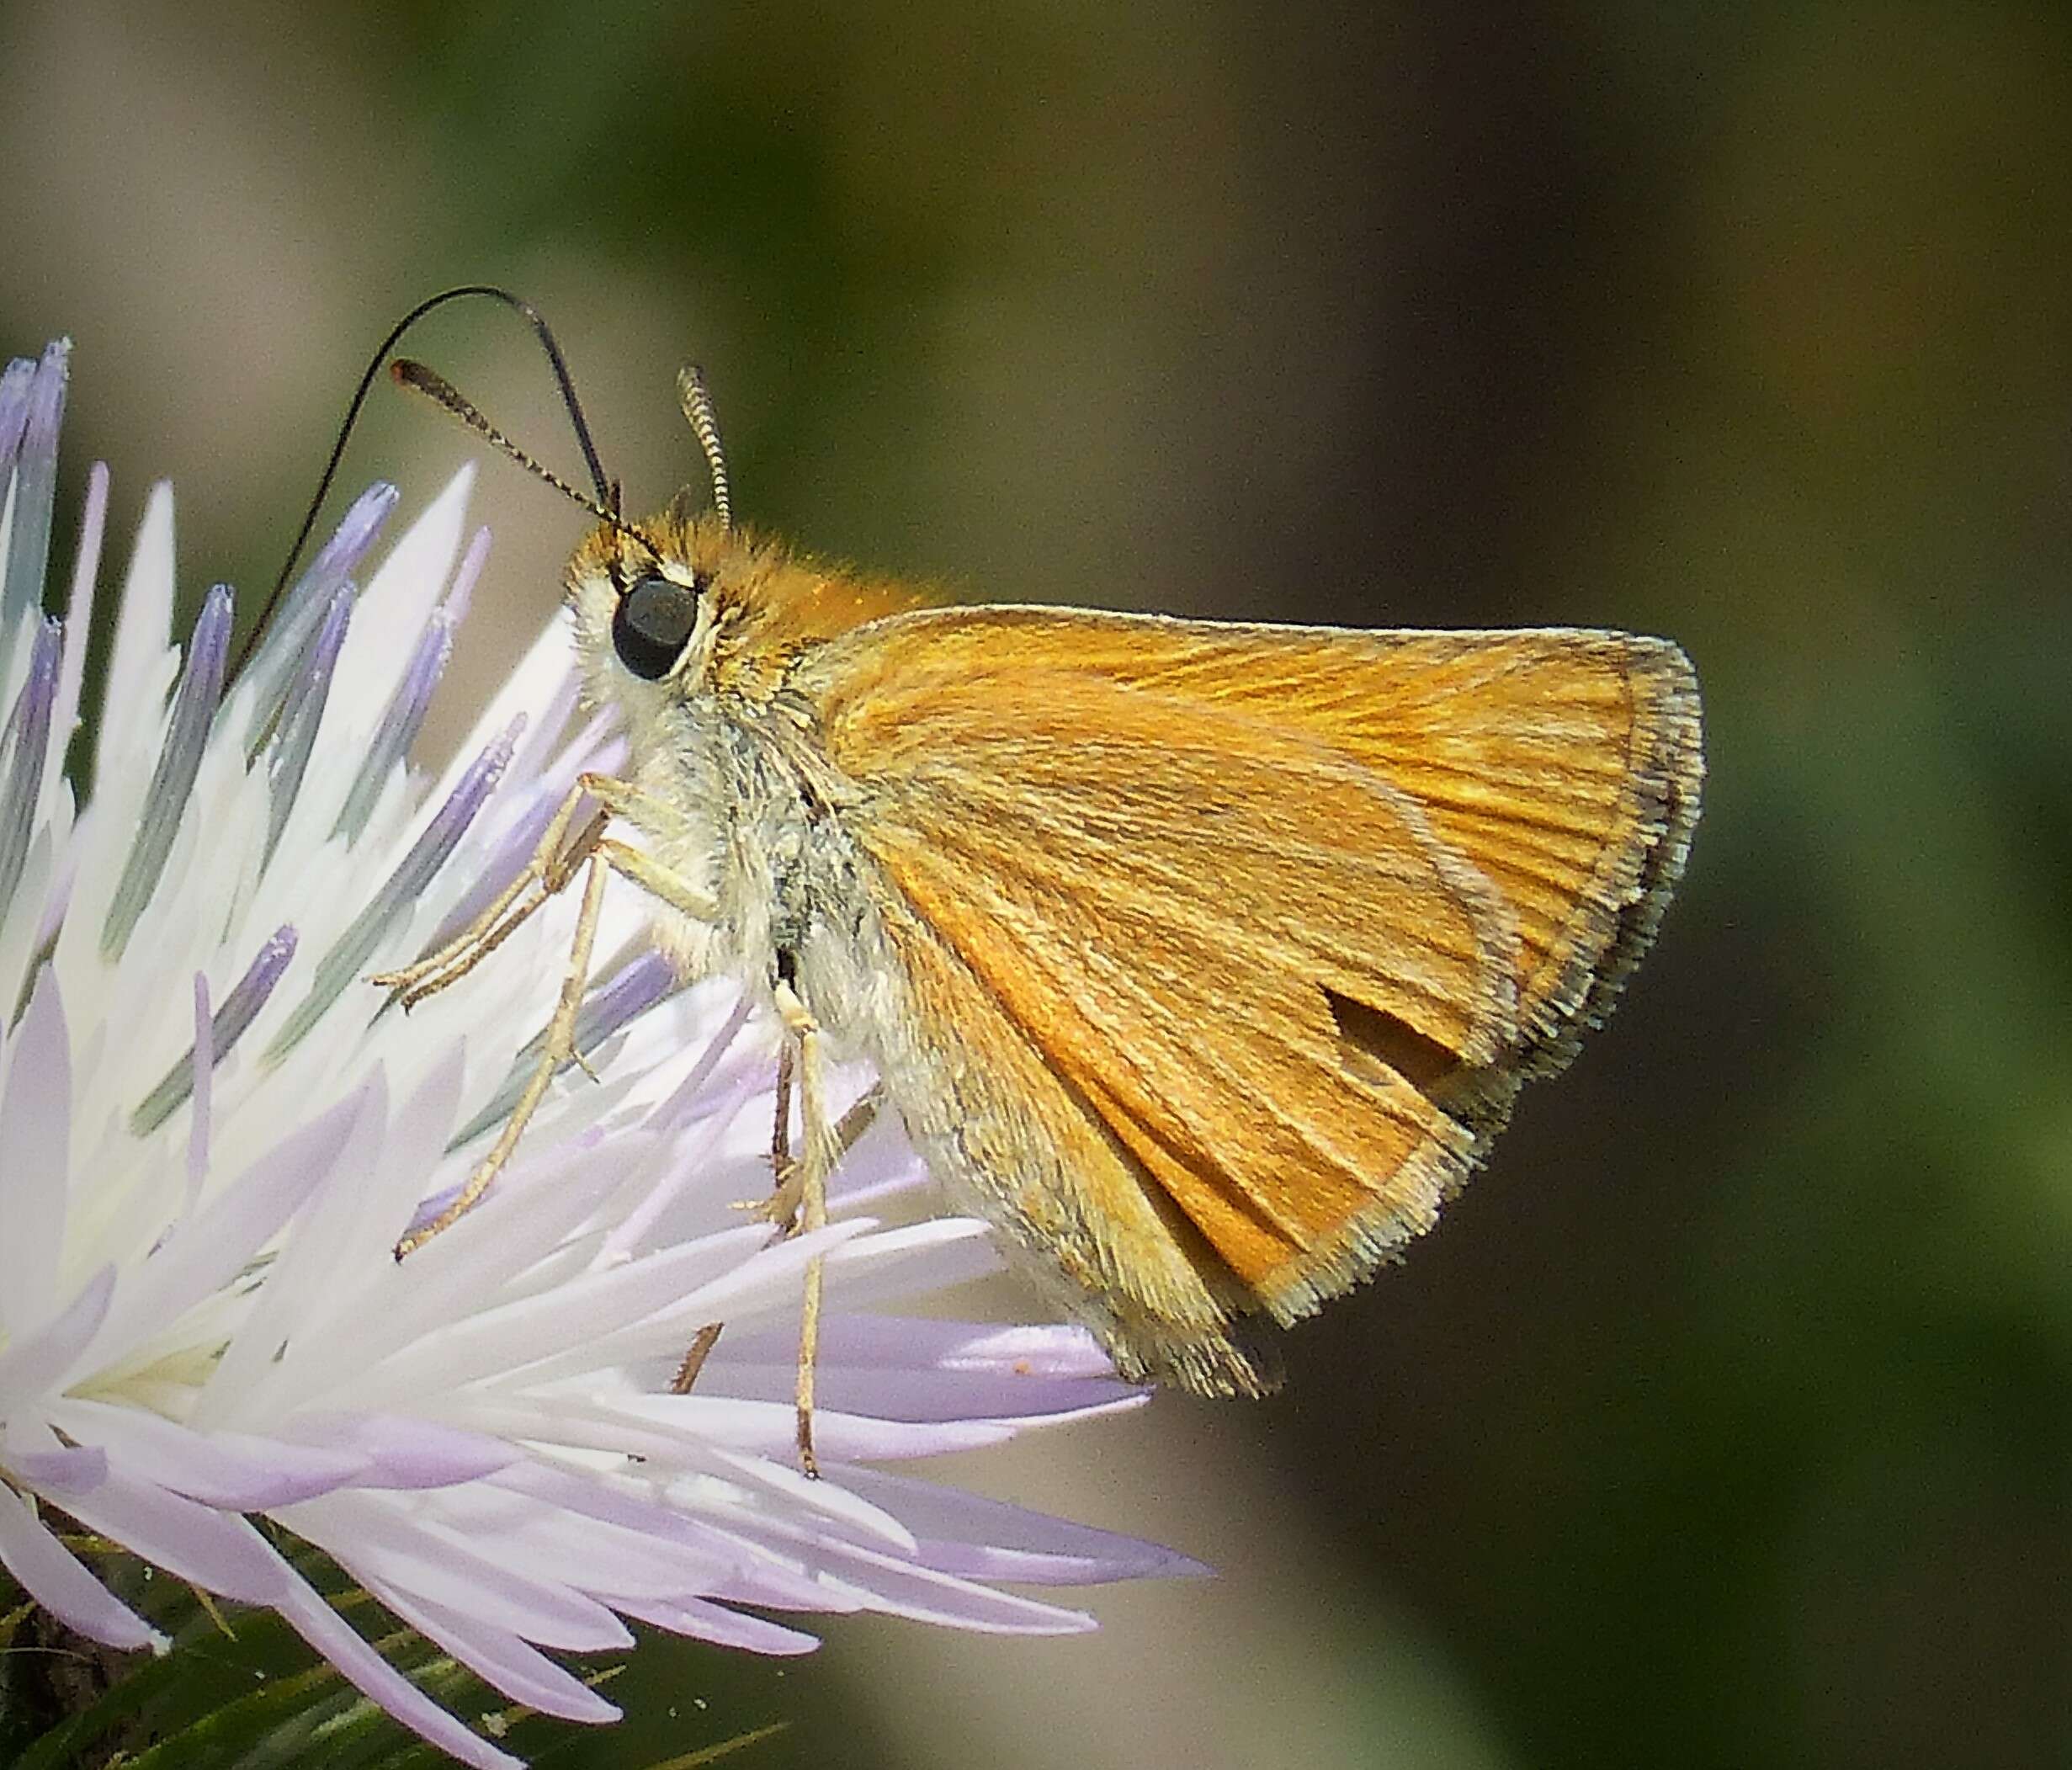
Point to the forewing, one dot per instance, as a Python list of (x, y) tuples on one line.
[(1563, 765), (1277, 914)]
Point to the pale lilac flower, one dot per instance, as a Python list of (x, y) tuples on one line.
[(212, 1130)]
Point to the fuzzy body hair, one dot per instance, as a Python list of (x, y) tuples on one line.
[(738, 800), (1204, 961)]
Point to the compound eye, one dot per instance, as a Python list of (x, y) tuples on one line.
[(651, 623)]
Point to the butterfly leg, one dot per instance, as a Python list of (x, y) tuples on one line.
[(694, 1362), (782, 1207), (542, 876), (546, 875), (556, 1049), (603, 856), (708, 1336), (800, 1201)]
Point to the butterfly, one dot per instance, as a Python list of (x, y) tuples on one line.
[(1204, 960)]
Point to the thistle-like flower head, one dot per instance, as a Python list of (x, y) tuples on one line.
[(212, 1130)]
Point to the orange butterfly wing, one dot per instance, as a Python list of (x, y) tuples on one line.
[(1563, 764), (1267, 921)]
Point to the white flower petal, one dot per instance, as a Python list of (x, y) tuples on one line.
[(78, 624), (401, 1451), (140, 661), (724, 1628), (216, 1549), (51, 1576), (918, 1370), (35, 1161), (203, 1253), (227, 1471), (500, 1658), (50, 1467), (332, 1636), (35, 1362), (395, 604), (898, 1587), (978, 1538), (288, 1305), (376, 1537)]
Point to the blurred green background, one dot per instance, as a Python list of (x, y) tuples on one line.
[(1727, 1420)]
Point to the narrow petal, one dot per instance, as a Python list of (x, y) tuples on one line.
[(301, 716), (32, 1362), (201, 1063), (396, 1313), (570, 1547), (263, 684), (766, 1429), (15, 381), (705, 1621), (35, 480), (61, 1470), (204, 1253), (21, 799), (636, 1503), (229, 1471), (500, 1658), (399, 726), (374, 1540), (655, 1293), (291, 1305), (138, 654), (349, 956), (911, 1370), (398, 599), (897, 1587), (339, 1264), (376, 1679), (48, 1575), (966, 1534), (402, 1453), (217, 1550), (247, 996), (36, 1159), (179, 760), (623, 998), (78, 620)]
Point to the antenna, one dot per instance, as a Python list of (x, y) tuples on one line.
[(435, 387), (606, 501), (697, 403)]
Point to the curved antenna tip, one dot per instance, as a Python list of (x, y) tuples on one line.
[(696, 401), (419, 377)]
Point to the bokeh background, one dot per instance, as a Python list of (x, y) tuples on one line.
[(1728, 1418)]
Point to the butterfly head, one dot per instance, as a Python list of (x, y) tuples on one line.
[(686, 604), (649, 600)]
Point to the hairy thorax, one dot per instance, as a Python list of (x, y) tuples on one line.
[(742, 807), (738, 798)]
